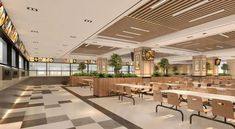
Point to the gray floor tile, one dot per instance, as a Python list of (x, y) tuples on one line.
[(109, 124), (82, 121), (57, 119)]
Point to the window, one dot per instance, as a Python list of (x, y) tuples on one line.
[(3, 51), (13, 57), (110, 70), (74, 68), (21, 62), (124, 69), (92, 67)]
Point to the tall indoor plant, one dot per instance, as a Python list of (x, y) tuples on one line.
[(82, 67), (224, 67), (116, 62), (164, 64)]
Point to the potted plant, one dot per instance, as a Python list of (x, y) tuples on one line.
[(224, 67), (116, 62), (82, 67), (164, 64)]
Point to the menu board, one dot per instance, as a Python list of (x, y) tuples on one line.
[(7, 25)]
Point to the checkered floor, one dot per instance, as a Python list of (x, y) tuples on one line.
[(50, 107)]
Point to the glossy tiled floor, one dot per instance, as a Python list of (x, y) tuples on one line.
[(52, 107)]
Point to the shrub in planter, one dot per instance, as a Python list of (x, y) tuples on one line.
[(184, 74), (156, 74), (176, 73), (101, 75), (110, 75)]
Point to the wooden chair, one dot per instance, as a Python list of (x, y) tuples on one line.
[(230, 92), (172, 99), (196, 103), (224, 109), (127, 93)]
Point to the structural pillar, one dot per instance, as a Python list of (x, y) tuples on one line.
[(199, 65), (213, 67), (142, 68), (102, 65), (231, 67)]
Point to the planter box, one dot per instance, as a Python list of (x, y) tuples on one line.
[(77, 80), (102, 86)]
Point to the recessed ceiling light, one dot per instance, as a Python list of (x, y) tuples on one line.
[(32, 9), (226, 36), (128, 32), (190, 8), (100, 46), (34, 31), (218, 46), (208, 15), (158, 4), (73, 37), (135, 28), (125, 36), (88, 21)]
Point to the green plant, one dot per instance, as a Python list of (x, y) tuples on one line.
[(109, 75), (164, 64), (156, 68), (224, 67), (101, 75), (156, 74), (116, 62), (184, 74), (94, 73), (82, 66), (176, 73)]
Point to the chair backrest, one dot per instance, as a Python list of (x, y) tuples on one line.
[(173, 99), (163, 86), (128, 90), (121, 89), (195, 103), (230, 92), (157, 96), (212, 90), (222, 108)]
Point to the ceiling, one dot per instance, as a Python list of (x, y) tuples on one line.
[(96, 50), (211, 43), (59, 27), (160, 17), (177, 30)]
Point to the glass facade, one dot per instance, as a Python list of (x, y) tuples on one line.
[(21, 62), (63, 69), (13, 57), (3, 52)]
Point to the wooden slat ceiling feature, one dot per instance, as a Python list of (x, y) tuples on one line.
[(163, 14), (158, 55), (125, 27), (93, 49), (216, 42)]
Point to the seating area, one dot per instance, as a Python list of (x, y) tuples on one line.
[(117, 64)]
